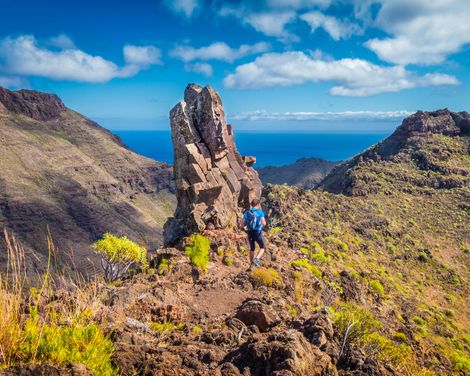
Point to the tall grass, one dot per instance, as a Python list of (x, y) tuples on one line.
[(42, 322)]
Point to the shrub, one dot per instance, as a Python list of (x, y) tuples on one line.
[(418, 321), (118, 254), (62, 345), (360, 328), (164, 266), (166, 327), (197, 330), (377, 287), (342, 246), (274, 231), (461, 362), (423, 257), (198, 251), (306, 264), (449, 313), (62, 334), (267, 277), (399, 337)]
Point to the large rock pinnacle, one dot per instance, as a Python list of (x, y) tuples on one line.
[(213, 182)]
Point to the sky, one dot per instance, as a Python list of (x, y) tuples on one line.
[(279, 65)]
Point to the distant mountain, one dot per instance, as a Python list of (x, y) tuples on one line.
[(305, 173), (62, 171), (429, 150)]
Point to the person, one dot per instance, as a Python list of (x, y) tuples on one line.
[(253, 222)]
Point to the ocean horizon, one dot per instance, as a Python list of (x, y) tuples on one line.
[(270, 149)]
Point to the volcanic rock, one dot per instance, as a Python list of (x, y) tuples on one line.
[(213, 181)]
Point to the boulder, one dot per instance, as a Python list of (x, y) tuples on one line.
[(286, 354), (254, 312), (214, 183)]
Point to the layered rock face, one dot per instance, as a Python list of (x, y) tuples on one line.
[(214, 183)]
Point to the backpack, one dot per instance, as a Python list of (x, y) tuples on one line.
[(253, 222)]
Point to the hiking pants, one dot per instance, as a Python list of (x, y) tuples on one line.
[(256, 237)]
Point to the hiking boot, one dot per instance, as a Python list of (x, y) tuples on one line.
[(257, 262)]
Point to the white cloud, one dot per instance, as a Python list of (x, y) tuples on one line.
[(351, 77), (202, 68), (423, 32), (272, 23), (186, 7), (142, 55), (24, 56), (217, 51), (336, 28), (61, 41), (297, 4), (307, 115)]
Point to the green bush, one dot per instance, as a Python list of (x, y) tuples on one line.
[(306, 264), (461, 362), (198, 251), (62, 345), (166, 327), (399, 337), (118, 254), (342, 246), (376, 286), (267, 277)]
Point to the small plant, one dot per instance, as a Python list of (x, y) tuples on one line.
[(118, 254), (449, 313), (292, 310), (166, 327), (267, 277), (274, 231), (419, 321), (423, 257), (377, 287), (198, 251), (399, 337), (306, 264), (164, 266), (197, 330), (342, 246)]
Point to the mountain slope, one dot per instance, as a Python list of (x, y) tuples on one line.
[(59, 170), (305, 173)]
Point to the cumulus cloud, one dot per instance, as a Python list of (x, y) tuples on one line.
[(351, 77), (201, 68), (307, 115), (185, 7), (61, 41), (23, 56), (272, 23), (336, 28), (422, 31), (217, 51)]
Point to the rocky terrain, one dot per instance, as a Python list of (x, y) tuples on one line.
[(305, 173), (63, 173), (366, 276)]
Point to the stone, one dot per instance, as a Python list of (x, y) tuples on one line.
[(214, 183), (254, 312), (284, 354)]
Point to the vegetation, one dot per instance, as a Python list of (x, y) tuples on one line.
[(198, 251), (265, 277), (59, 334), (306, 264), (376, 286), (118, 254)]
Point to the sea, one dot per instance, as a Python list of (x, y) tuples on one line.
[(270, 149)]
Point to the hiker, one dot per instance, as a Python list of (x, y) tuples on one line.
[(253, 222)]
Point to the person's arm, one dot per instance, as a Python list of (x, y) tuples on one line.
[(263, 219), (242, 223)]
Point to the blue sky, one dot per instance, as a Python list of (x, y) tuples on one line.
[(349, 65)]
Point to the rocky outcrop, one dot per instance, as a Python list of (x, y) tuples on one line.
[(34, 104), (213, 181)]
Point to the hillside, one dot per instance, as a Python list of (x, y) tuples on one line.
[(60, 170), (304, 173)]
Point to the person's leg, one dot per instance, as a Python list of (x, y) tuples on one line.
[(262, 245), (251, 240)]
